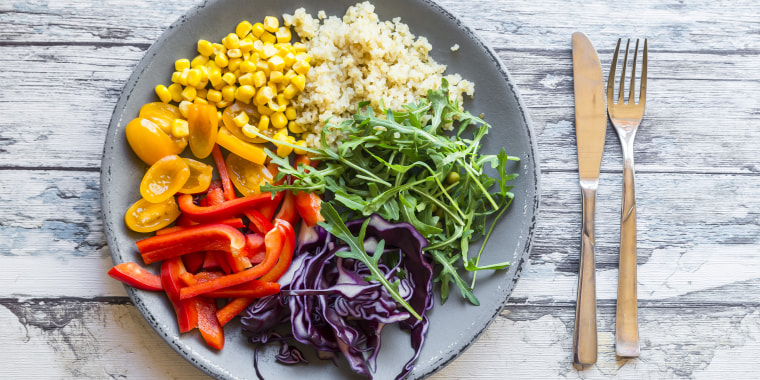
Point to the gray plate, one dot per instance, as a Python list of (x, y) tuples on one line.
[(453, 326)]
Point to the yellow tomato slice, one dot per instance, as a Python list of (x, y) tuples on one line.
[(251, 152), (149, 142), (246, 175), (203, 122), (162, 114), (144, 216), (200, 177), (164, 178)]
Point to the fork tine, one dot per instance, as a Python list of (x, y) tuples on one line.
[(632, 91), (611, 77), (643, 90), (621, 96)]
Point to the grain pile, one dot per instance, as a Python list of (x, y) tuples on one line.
[(362, 58)]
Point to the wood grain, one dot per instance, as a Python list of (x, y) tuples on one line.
[(65, 63)]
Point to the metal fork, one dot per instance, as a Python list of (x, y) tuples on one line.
[(626, 117)]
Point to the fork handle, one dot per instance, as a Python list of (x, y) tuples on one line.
[(626, 321), (584, 339)]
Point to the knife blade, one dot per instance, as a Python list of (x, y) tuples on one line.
[(590, 131)]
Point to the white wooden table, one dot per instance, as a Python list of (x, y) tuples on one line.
[(698, 190)]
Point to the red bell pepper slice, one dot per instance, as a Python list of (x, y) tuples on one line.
[(229, 191), (288, 210), (194, 261), (136, 276), (228, 209), (254, 244), (286, 254), (232, 222), (274, 244), (186, 310), (244, 298), (210, 262), (259, 222), (192, 239), (309, 205), (253, 288), (209, 326)]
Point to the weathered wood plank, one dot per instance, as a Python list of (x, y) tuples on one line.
[(696, 133), (70, 338)]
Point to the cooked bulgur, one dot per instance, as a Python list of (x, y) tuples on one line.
[(362, 58)]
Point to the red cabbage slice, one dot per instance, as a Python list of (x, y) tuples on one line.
[(333, 309)]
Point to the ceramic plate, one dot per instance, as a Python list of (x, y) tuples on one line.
[(453, 326)]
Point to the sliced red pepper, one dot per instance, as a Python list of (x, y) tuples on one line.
[(228, 209), (286, 254), (136, 276), (254, 245), (208, 325), (253, 288), (259, 222), (234, 307), (229, 191), (274, 244), (194, 261), (288, 210), (232, 222), (257, 289), (193, 239), (214, 197), (187, 314), (210, 262), (269, 209), (309, 205)]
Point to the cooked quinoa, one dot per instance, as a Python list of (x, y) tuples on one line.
[(362, 58)]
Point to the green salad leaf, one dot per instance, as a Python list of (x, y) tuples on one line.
[(420, 165)]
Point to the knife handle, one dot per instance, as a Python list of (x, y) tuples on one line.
[(626, 320), (584, 339)]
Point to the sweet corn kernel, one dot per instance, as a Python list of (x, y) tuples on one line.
[(276, 63), (247, 66), (215, 77), (246, 45), (264, 110), (268, 38), (278, 120), (243, 29), (221, 60), (245, 93), (180, 128), (163, 93), (248, 131), (176, 90), (282, 101), (175, 76), (222, 104), (257, 29), (301, 143), (241, 119), (301, 67), (234, 53), (299, 81), (194, 77), (246, 79), (183, 77), (281, 135), (275, 107), (263, 123), (183, 108), (198, 100), (276, 76), (264, 95), (234, 64), (290, 92), (189, 93), (290, 113), (283, 35), (219, 48), (268, 51), (258, 47), (302, 56), (199, 60), (263, 66), (229, 78), (181, 64), (231, 41), (289, 59), (201, 93), (205, 48), (300, 47), (284, 150), (294, 128), (271, 23), (228, 93), (214, 95)]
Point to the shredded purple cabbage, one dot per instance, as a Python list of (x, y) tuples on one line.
[(332, 308)]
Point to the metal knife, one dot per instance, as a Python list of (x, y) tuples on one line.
[(590, 130)]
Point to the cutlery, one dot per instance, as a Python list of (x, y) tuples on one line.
[(626, 117), (590, 130)]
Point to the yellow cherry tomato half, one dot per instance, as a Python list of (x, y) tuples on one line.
[(149, 142), (251, 152), (162, 114), (164, 178), (200, 177), (247, 176), (144, 216), (203, 123)]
